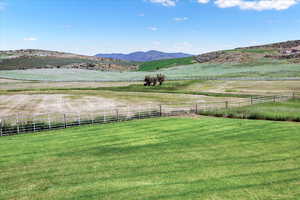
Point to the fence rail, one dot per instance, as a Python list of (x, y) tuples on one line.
[(21, 124)]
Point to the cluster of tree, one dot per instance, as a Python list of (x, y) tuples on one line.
[(153, 80)]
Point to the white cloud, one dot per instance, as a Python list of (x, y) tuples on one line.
[(202, 1), (141, 15), (258, 5), (152, 28), (180, 19), (30, 39), (165, 2)]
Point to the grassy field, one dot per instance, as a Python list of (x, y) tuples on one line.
[(280, 111), (175, 87), (179, 72), (160, 64), (233, 87), (168, 158), (170, 87)]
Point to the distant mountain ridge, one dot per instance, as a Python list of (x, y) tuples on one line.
[(141, 56)]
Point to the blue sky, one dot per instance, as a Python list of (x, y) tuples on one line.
[(105, 26)]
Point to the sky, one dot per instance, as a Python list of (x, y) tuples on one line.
[(121, 26)]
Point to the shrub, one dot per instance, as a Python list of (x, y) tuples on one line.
[(150, 80), (161, 78)]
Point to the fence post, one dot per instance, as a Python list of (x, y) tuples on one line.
[(92, 116), (196, 108), (33, 123), (104, 117), (127, 117), (117, 112), (226, 104), (251, 100), (160, 110), (49, 121), (79, 120), (18, 127), (293, 95), (65, 120), (1, 132), (274, 99)]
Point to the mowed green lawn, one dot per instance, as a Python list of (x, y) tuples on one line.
[(165, 158)]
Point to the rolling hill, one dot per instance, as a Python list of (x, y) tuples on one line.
[(144, 56), (281, 53), (286, 52), (35, 59)]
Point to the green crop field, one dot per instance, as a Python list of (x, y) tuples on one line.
[(179, 72), (281, 111), (160, 64), (166, 158)]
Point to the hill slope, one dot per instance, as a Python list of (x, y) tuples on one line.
[(285, 52), (160, 64), (34, 58), (144, 56)]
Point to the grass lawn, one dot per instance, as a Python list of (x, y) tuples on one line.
[(281, 111), (166, 158)]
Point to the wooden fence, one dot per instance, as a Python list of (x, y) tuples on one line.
[(21, 124)]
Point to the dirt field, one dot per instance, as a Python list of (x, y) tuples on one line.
[(91, 101), (7, 84)]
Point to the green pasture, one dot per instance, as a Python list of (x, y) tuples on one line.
[(178, 72), (167, 158), (280, 111)]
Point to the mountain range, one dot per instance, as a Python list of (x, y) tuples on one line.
[(141, 56)]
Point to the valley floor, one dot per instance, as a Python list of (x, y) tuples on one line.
[(27, 97), (166, 158)]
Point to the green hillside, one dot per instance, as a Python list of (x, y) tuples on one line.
[(166, 158), (160, 64)]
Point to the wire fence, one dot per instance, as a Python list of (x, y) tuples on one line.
[(220, 78), (21, 124)]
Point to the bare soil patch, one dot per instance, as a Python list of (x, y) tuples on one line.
[(93, 101), (12, 84)]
